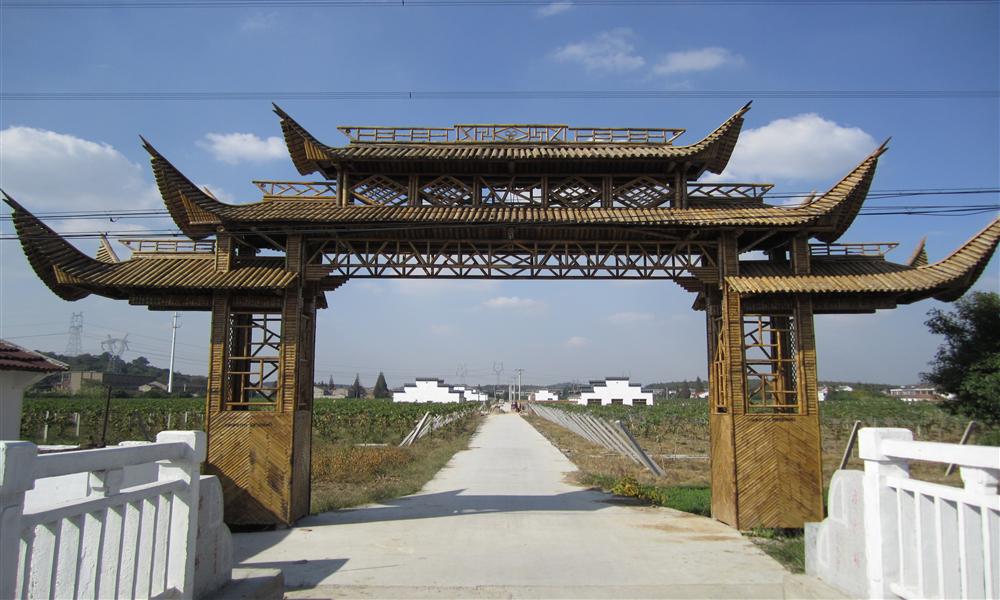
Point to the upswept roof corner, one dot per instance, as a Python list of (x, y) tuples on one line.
[(194, 211), (721, 142), (919, 256), (945, 280), (105, 252), (840, 205), (48, 253), (303, 148)]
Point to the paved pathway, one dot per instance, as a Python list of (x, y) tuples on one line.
[(500, 521)]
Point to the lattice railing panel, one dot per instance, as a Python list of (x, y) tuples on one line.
[(728, 191), (641, 192), (380, 190), (575, 192), (446, 191), (288, 190)]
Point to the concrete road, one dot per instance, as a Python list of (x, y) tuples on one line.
[(501, 521)]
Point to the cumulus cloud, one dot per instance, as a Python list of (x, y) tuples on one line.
[(577, 341), (91, 175), (608, 51), (805, 147), (235, 148), (554, 8), (623, 318), (692, 61), (514, 302)]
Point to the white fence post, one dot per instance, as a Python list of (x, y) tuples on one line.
[(16, 466), (181, 544), (881, 524)]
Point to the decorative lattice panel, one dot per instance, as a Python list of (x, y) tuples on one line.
[(446, 191), (641, 192), (574, 192), (380, 190)]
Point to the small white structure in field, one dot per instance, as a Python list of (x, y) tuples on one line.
[(543, 396), (428, 390), (471, 395), (19, 368), (616, 390)]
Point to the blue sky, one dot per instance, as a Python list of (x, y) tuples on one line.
[(85, 154)]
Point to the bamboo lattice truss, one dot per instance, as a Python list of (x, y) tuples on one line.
[(498, 201)]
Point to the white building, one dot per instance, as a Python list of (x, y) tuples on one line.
[(19, 368), (616, 391), (429, 390), (916, 393), (472, 395), (543, 396)]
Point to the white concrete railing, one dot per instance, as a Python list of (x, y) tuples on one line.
[(136, 542), (927, 540)]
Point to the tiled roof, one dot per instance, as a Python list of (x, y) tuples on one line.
[(198, 214), (16, 358), (309, 154), (945, 280)]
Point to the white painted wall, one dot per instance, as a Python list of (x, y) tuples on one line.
[(471, 395), (544, 396), (12, 386), (616, 389), (428, 390)]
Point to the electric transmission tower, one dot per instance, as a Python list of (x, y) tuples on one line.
[(498, 369), (115, 347), (74, 345), (462, 372)]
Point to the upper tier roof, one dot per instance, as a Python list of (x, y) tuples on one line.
[(551, 152), (198, 215)]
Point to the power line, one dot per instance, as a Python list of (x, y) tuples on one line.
[(468, 95), (187, 4)]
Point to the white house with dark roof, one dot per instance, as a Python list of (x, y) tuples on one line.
[(543, 396), (429, 390), (615, 390), (19, 368)]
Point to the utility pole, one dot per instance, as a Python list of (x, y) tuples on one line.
[(519, 371), (173, 346)]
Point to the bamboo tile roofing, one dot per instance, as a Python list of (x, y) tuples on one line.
[(310, 155), (198, 215), (945, 280)]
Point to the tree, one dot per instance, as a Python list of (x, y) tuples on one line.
[(329, 384), (699, 385), (967, 364), (684, 391), (381, 390), (357, 390)]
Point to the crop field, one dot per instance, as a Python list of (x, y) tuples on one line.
[(79, 420), (678, 428)]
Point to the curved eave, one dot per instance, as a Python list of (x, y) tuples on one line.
[(194, 211), (309, 155), (837, 209), (50, 256), (944, 280)]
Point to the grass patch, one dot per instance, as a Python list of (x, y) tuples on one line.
[(787, 546), (345, 475), (692, 499)]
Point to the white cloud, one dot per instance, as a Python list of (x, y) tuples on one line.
[(554, 8), (576, 341), (612, 51), (47, 170), (514, 302), (258, 21), (804, 147), (442, 329), (623, 318), (691, 61), (234, 148), (430, 287)]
